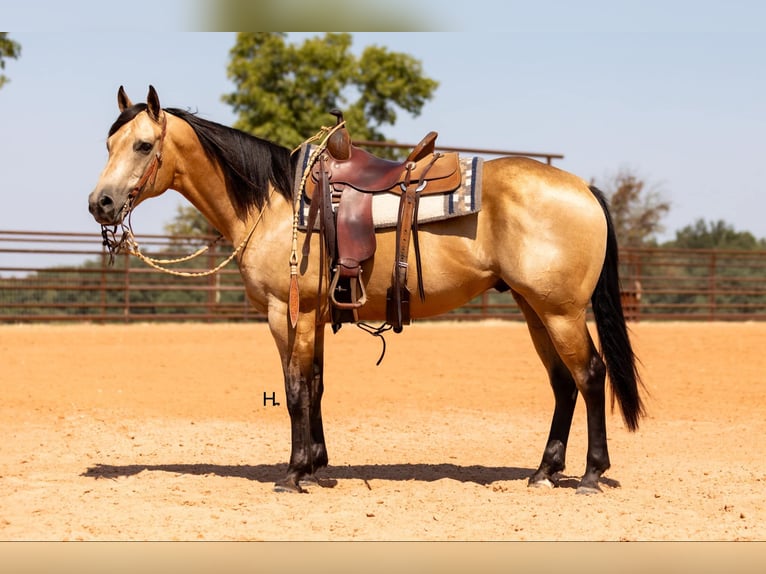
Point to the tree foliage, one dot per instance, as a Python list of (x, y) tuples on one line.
[(306, 16), (188, 222), (714, 235), (8, 49), (637, 210), (284, 92)]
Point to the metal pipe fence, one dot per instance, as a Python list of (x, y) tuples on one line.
[(47, 277)]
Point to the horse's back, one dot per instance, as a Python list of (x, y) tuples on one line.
[(537, 192), (540, 230)]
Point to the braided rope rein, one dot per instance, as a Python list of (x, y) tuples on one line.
[(132, 247), (324, 134)]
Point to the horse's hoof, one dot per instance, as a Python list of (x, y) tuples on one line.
[(309, 480), (312, 480), (588, 490), (288, 485), (541, 483)]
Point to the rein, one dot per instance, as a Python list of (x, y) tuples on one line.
[(129, 244), (293, 303)]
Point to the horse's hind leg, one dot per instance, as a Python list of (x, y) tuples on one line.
[(567, 336), (564, 392), (573, 342)]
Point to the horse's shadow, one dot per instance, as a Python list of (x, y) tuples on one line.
[(271, 473)]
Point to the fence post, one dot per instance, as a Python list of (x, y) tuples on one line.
[(126, 289), (212, 284), (102, 286), (712, 286)]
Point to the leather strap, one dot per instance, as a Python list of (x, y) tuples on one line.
[(406, 228), (327, 217), (153, 168), (312, 219)]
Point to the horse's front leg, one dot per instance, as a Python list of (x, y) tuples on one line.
[(316, 390), (301, 350)]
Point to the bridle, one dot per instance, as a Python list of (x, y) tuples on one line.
[(128, 241), (150, 173), (109, 233)]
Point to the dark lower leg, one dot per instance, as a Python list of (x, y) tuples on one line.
[(554, 456), (597, 460), (301, 453), (318, 447)]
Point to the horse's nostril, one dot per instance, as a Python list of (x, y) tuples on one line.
[(105, 201)]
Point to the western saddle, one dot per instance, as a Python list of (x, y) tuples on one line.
[(340, 192)]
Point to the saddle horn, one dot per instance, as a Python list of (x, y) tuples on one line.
[(339, 143), (338, 114)]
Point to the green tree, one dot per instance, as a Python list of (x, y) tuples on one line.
[(8, 49), (637, 210), (305, 16), (284, 92), (188, 223), (714, 235)]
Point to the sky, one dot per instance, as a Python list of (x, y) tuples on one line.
[(674, 92)]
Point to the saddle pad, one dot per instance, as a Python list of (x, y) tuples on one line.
[(465, 200)]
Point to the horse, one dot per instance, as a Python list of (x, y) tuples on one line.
[(542, 233)]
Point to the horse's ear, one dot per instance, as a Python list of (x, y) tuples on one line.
[(153, 103), (123, 101)]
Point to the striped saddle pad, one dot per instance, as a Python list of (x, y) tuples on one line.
[(465, 200)]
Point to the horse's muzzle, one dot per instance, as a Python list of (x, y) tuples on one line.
[(103, 207)]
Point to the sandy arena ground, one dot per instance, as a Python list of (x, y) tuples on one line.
[(160, 432)]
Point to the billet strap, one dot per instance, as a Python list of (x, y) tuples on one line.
[(407, 227)]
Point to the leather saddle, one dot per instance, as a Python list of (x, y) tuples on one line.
[(340, 191)]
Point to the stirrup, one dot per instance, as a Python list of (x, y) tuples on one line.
[(346, 304)]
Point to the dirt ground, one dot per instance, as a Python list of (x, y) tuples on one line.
[(161, 432)]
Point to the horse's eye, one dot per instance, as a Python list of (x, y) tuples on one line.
[(143, 147)]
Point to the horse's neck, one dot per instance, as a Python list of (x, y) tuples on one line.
[(217, 212), (207, 192), (201, 181), (202, 184)]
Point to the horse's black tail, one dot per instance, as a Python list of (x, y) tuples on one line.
[(613, 332)]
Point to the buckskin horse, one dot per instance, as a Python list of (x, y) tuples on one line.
[(541, 232)]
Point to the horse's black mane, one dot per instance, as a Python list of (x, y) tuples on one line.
[(249, 163)]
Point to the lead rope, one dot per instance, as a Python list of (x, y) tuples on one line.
[(129, 243)]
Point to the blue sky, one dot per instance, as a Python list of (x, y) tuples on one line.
[(673, 91)]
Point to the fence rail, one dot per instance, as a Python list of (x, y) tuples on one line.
[(67, 277)]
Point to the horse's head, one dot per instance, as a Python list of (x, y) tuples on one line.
[(135, 156)]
